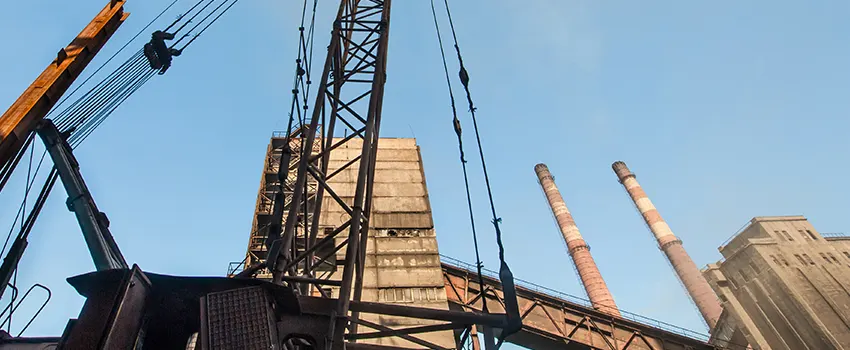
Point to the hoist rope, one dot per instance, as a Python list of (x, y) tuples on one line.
[(191, 19), (464, 79), (215, 19), (513, 322), (56, 107), (458, 131), (91, 109), (298, 109), (298, 112), (88, 111)]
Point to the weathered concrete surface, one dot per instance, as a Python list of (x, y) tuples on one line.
[(786, 285), (402, 258)]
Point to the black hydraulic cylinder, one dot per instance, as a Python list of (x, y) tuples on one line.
[(94, 224)]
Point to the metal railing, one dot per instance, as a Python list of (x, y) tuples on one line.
[(834, 235), (579, 300)]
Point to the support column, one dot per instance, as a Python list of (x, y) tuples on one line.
[(696, 285), (594, 285)]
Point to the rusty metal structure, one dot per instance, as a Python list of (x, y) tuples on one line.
[(698, 288), (579, 251), (553, 320)]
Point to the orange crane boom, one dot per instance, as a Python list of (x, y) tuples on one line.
[(22, 118)]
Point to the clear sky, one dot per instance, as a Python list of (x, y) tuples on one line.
[(725, 111)]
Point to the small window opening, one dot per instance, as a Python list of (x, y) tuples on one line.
[(832, 257), (811, 262), (812, 235)]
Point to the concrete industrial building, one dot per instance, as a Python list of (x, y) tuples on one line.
[(402, 260), (784, 285)]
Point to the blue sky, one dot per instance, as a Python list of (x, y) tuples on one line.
[(725, 111)]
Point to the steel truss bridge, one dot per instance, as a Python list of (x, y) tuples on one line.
[(554, 320)]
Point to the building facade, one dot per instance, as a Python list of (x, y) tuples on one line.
[(402, 259), (783, 285)]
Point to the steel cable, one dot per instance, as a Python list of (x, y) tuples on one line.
[(107, 101), (65, 117), (208, 24), (78, 138), (458, 130), (514, 323), (113, 56), (131, 69), (192, 18)]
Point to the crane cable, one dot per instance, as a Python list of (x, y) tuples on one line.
[(297, 110), (514, 323), (7, 170), (458, 130), (90, 110)]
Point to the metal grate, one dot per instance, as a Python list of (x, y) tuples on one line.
[(240, 319)]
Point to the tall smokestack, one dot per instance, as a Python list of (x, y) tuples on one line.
[(688, 273), (595, 286)]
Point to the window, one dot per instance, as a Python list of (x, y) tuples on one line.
[(755, 268), (805, 236), (787, 236), (744, 276), (812, 235), (847, 255), (782, 258), (808, 259), (832, 257), (732, 283), (800, 259), (822, 255), (775, 260)]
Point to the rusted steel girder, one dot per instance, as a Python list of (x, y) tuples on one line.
[(21, 119), (550, 322)]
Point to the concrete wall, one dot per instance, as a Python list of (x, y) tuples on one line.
[(402, 258), (786, 284)]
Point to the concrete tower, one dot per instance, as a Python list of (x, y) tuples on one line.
[(595, 286), (698, 288)]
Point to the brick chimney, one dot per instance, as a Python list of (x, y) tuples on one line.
[(595, 286), (696, 285)]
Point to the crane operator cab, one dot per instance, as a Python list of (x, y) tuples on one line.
[(158, 53)]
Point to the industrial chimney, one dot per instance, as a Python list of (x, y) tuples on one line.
[(688, 273), (595, 286)]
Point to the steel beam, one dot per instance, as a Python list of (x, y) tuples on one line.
[(552, 322)]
